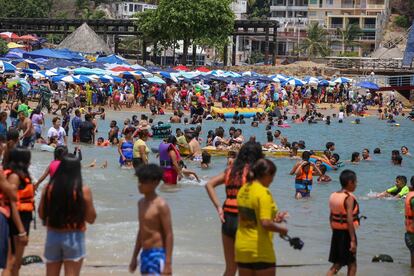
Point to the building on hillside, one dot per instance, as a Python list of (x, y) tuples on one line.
[(239, 7), (370, 15), (292, 16), (126, 9)]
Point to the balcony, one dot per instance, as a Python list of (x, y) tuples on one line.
[(288, 8), (292, 21), (336, 26), (375, 7)]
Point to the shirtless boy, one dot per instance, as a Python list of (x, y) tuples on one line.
[(155, 235)]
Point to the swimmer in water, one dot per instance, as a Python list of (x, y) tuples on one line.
[(355, 158), (404, 151), (206, 159), (188, 173), (365, 155), (399, 190), (304, 172), (324, 177)]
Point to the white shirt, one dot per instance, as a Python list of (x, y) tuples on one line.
[(60, 134), (341, 115)]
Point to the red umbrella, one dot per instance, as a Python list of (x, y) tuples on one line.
[(28, 38), (9, 35), (181, 68), (121, 69), (203, 69)]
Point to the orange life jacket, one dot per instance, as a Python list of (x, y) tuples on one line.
[(409, 214), (232, 189), (25, 194), (304, 181), (338, 211)]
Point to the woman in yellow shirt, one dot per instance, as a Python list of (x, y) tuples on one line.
[(258, 218), (141, 150)]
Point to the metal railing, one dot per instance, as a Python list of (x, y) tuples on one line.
[(370, 26), (336, 26), (367, 64)]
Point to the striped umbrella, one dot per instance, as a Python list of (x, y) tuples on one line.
[(7, 67)]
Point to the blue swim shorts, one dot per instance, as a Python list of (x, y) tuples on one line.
[(4, 240), (152, 261), (303, 193), (64, 246)]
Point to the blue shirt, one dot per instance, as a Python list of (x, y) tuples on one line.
[(76, 121)]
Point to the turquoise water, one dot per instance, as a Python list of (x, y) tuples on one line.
[(196, 226)]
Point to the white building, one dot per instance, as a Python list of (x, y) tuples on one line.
[(125, 10), (239, 7)]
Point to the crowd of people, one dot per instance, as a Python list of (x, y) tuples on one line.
[(249, 213)]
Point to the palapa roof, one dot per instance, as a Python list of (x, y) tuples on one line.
[(85, 40)]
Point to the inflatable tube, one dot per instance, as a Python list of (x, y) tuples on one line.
[(161, 131), (284, 126), (48, 148), (325, 162), (229, 112)]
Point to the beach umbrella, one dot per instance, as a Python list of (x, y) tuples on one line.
[(47, 73), (295, 82), (203, 69), (275, 79), (342, 80), (217, 73), (13, 45), (311, 80), (28, 38), (323, 83), (85, 78), (108, 78), (16, 80), (127, 75), (171, 76), (60, 71), (368, 85), (9, 35), (145, 74), (138, 67), (181, 68), (7, 67), (250, 74), (156, 79), (121, 69), (26, 63), (67, 79)]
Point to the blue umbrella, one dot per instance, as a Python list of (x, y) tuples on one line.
[(342, 80), (368, 85), (156, 80), (323, 83), (7, 67)]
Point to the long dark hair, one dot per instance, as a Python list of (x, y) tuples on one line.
[(19, 162), (64, 204), (248, 155)]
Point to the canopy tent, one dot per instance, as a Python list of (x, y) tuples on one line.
[(15, 53), (368, 85), (85, 40), (50, 53), (112, 59)]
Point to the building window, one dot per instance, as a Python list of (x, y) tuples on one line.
[(125, 8), (131, 7), (312, 14), (291, 2), (313, 2), (329, 2), (279, 14), (279, 2)]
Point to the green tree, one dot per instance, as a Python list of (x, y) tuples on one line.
[(210, 21), (316, 42), (349, 35), (258, 9), (404, 8), (3, 47), (25, 8)]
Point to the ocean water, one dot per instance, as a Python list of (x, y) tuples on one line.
[(197, 238)]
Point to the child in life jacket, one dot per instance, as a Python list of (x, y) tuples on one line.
[(304, 172), (344, 220), (409, 221), (324, 177)]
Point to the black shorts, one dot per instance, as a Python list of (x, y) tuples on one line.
[(229, 227), (256, 266), (136, 162), (340, 245), (409, 241), (26, 218)]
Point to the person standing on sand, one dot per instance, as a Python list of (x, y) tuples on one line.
[(25, 125), (344, 219), (66, 205), (155, 234), (234, 177)]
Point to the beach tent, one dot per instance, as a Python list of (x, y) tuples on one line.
[(368, 85), (15, 53), (49, 53), (7, 67), (85, 40), (112, 59)]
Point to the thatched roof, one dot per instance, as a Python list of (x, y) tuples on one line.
[(85, 40)]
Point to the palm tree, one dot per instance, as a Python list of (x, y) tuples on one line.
[(348, 36), (316, 42)]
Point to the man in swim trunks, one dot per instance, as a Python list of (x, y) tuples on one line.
[(155, 235), (195, 148), (26, 126)]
